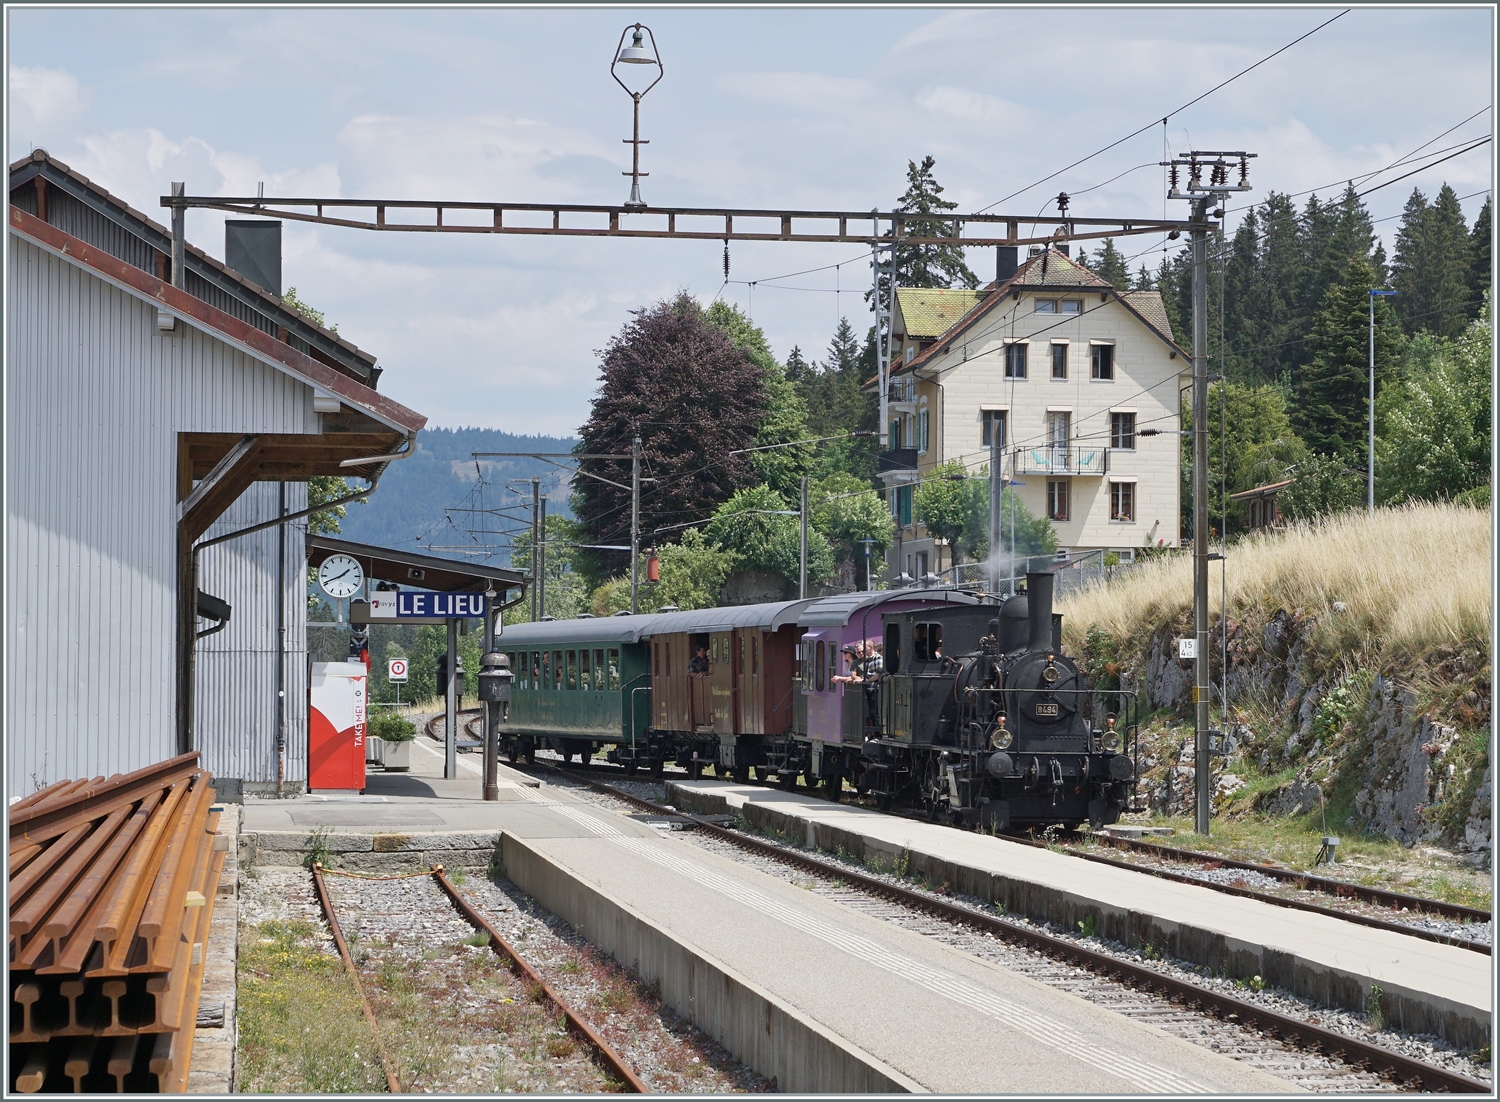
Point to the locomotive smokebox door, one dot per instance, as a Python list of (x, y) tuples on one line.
[(495, 679)]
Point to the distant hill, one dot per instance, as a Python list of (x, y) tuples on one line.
[(422, 502)]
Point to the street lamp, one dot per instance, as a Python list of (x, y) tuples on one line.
[(1374, 293), (636, 54)]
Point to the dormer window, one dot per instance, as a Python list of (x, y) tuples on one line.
[(1059, 306)]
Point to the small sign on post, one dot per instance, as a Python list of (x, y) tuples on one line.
[(1187, 648), (396, 670)]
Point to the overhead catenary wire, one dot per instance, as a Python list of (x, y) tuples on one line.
[(1163, 119)]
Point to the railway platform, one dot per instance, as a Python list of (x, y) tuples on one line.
[(1428, 987), (799, 987)]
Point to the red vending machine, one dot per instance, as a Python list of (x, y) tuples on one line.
[(336, 728)]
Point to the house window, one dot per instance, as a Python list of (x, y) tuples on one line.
[(1057, 499), (911, 352), (895, 432), (1070, 306), (1122, 431), (921, 565), (903, 506), (1046, 306), (994, 421), (1122, 501), (1104, 361), (1059, 361), (922, 431), (1015, 361)]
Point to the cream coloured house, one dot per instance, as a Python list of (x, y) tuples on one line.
[(1068, 371)]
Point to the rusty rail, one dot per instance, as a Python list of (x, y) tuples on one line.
[(112, 883), (611, 1058), (359, 989)]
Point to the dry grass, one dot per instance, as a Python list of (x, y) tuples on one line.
[(1410, 578)]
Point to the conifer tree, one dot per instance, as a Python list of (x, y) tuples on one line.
[(1330, 406), (1433, 269), (1479, 256), (928, 265), (1109, 266)]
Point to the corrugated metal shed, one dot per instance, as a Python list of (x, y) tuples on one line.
[(96, 397)]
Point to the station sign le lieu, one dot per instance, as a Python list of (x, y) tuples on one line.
[(414, 605)]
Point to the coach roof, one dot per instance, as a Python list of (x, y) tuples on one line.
[(838, 611), (632, 629)]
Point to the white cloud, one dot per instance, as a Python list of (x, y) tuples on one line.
[(43, 101)]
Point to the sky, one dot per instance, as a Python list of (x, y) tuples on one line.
[(816, 108)]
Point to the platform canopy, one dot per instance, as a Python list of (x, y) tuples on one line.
[(418, 571)]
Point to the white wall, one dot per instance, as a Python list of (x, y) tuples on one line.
[(95, 399)]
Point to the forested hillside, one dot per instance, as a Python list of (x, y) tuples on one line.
[(421, 500)]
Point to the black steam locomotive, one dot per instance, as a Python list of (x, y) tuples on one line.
[(980, 719)]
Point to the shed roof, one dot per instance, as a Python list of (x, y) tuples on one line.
[(413, 569), (1268, 490), (107, 222), (929, 312), (379, 413)]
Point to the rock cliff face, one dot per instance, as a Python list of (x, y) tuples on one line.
[(1414, 772)]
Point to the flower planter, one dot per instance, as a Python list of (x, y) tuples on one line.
[(397, 756)]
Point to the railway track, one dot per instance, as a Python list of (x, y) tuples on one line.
[(1300, 1049), (1417, 909), (605, 1053)]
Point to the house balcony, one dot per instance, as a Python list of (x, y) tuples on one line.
[(1063, 461), (897, 465), (901, 397)]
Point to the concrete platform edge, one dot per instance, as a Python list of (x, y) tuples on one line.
[(1410, 1010), (368, 852), (761, 1031)]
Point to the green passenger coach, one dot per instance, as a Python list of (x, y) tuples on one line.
[(580, 686)]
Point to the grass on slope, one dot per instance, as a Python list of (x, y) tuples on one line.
[(1410, 578)]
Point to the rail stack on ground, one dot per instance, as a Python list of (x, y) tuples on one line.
[(111, 895)]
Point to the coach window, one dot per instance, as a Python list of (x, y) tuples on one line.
[(655, 659), (600, 681), (891, 660), (833, 664), (755, 655), (536, 669), (820, 667), (713, 654), (572, 669), (614, 670), (557, 670)]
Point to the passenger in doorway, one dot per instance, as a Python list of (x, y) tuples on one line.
[(698, 666), (853, 655)]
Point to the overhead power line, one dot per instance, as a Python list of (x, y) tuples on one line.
[(1162, 121)]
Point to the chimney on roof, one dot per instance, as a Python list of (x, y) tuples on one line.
[(1005, 262), (1063, 248), (252, 247)]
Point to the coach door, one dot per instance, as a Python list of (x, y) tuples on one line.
[(723, 680), (749, 662)]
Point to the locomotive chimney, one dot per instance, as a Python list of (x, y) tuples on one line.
[(1039, 611)]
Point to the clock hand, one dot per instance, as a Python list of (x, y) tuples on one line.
[(338, 576)]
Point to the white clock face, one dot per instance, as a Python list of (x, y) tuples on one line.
[(341, 576)]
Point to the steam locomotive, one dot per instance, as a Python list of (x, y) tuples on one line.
[(977, 717)]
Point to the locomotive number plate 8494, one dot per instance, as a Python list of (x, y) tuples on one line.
[(1046, 709)]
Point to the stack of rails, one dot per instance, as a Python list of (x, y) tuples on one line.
[(111, 894)]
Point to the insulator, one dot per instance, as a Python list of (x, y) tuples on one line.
[(1174, 175), (1244, 172), (726, 261), (1062, 202)]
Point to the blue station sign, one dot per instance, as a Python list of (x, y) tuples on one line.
[(452, 606)]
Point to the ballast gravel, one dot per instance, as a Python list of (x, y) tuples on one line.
[(406, 935)]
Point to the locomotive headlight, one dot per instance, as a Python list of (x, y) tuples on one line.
[(1049, 672), (1111, 740), (1001, 739)]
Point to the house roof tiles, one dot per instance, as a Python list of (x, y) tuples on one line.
[(929, 312)]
